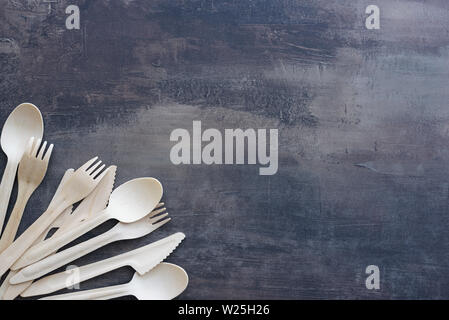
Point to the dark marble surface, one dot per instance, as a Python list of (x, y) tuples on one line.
[(363, 133)]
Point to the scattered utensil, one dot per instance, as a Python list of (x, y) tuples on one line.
[(80, 184), (142, 260), (9, 291), (121, 231), (32, 170), (59, 221), (130, 206), (94, 202), (23, 123), (166, 281), (128, 203)]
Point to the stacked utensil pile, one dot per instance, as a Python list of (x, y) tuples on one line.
[(135, 204)]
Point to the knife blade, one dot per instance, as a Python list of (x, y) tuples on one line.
[(94, 202), (142, 260)]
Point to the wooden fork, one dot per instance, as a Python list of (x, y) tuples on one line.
[(80, 184), (9, 291), (32, 169)]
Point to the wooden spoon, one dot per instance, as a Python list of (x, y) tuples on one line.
[(166, 281), (22, 124), (128, 203)]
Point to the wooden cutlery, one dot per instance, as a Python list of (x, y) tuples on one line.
[(166, 281), (9, 291), (122, 231), (77, 187), (94, 202), (142, 260), (23, 123), (128, 203), (135, 204), (32, 169)]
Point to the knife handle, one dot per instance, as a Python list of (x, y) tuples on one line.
[(95, 294), (9, 291), (65, 279), (141, 259), (61, 258), (60, 219), (12, 291), (49, 246), (9, 256)]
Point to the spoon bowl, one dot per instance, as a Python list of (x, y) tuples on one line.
[(166, 281), (134, 199), (128, 203), (23, 123)]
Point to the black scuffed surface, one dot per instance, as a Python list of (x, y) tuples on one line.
[(362, 117)]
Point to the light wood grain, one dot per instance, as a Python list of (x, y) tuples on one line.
[(80, 184), (32, 169), (128, 203), (142, 260)]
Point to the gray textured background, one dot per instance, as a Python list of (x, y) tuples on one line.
[(363, 133)]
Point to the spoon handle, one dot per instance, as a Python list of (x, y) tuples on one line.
[(21, 244), (95, 294), (62, 280), (12, 226), (9, 291), (49, 246), (6, 187), (142, 259), (59, 259), (12, 291), (5, 285)]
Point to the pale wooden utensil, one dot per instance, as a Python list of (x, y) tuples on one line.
[(59, 221), (93, 203), (23, 123), (142, 260), (166, 281), (32, 169), (130, 202), (9, 291), (80, 184), (122, 231)]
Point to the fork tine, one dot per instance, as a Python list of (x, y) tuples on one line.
[(88, 164), (97, 171), (99, 177), (48, 153), (160, 204), (160, 223), (94, 167), (36, 148), (41, 151), (158, 218), (156, 212)]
